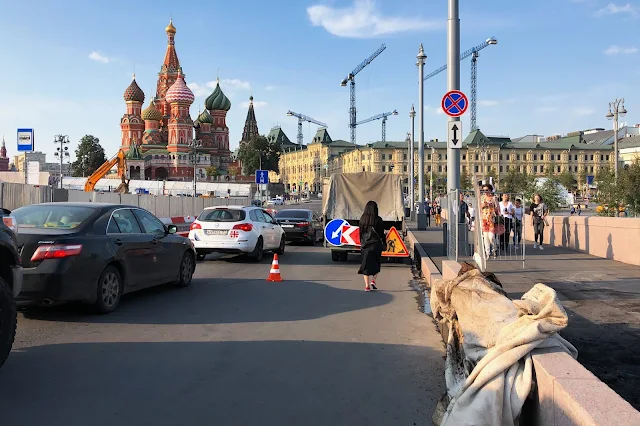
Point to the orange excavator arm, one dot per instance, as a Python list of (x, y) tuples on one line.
[(118, 160)]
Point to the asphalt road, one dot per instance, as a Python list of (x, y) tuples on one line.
[(233, 349)]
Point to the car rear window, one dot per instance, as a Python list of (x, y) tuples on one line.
[(222, 215), (52, 216), (293, 214)]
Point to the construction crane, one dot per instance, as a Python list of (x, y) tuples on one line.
[(301, 118), (352, 98), (120, 161), (473, 52), (382, 116)]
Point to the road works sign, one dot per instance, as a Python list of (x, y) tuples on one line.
[(454, 134), (454, 103), (350, 235), (395, 245), (333, 231)]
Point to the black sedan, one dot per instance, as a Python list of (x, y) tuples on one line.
[(95, 253), (300, 225)]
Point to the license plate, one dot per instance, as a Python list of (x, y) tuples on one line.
[(216, 231), (287, 226)]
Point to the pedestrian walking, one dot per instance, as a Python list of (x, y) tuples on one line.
[(517, 223), (506, 211), (372, 242), (427, 210), (579, 209), (538, 212), (437, 214)]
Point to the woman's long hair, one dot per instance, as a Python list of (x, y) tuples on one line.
[(370, 214)]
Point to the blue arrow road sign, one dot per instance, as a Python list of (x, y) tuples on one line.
[(333, 231), (262, 177)]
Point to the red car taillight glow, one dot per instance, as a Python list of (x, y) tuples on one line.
[(195, 225), (246, 227), (55, 252)]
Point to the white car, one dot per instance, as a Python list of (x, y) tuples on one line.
[(276, 201), (236, 229)]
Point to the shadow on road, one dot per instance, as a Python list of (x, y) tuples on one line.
[(223, 301), (220, 383)]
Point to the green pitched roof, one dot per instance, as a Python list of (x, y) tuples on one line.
[(478, 138), (277, 135), (322, 136)]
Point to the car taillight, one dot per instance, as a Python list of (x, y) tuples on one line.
[(244, 227), (302, 224), (55, 252), (195, 225), (11, 223)]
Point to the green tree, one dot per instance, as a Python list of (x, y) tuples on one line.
[(465, 181), (630, 186), (567, 179), (89, 156), (259, 148), (549, 190), (608, 192), (582, 177), (516, 182), (212, 171)]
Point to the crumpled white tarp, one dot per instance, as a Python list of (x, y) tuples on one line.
[(489, 369)]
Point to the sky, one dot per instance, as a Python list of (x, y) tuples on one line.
[(556, 67)]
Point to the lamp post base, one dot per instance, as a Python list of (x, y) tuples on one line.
[(422, 221)]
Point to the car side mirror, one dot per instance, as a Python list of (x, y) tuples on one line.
[(172, 229)]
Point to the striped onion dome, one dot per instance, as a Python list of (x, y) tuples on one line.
[(179, 92), (217, 101), (151, 112), (133, 92), (205, 117)]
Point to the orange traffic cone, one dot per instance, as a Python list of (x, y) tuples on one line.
[(274, 274)]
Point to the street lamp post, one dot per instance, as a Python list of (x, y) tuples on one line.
[(422, 217), (482, 150), (193, 146), (62, 151), (616, 109), (412, 172)]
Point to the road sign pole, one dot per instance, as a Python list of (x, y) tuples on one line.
[(453, 83)]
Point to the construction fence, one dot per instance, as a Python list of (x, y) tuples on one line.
[(14, 195)]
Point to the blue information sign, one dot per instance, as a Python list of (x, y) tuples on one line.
[(590, 180), (25, 140), (333, 231), (262, 177)]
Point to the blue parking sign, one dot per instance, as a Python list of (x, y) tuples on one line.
[(333, 231), (262, 177)]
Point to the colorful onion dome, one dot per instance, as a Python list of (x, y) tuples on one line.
[(133, 93), (205, 117), (217, 101), (170, 28), (179, 92), (151, 112)]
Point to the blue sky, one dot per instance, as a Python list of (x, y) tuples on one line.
[(557, 65)]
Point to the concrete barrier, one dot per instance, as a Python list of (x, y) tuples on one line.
[(429, 270), (566, 393), (615, 238)]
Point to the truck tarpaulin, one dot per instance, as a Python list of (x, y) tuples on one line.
[(347, 193)]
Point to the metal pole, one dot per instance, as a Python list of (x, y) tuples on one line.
[(422, 217), (615, 143), (453, 83), (433, 152), (412, 172)]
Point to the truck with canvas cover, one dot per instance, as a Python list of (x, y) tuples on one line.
[(344, 197)]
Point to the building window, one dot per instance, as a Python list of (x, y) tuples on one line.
[(476, 157), (383, 168), (404, 156), (507, 157), (601, 157), (606, 157), (439, 169), (591, 169), (476, 169), (535, 169), (575, 157), (558, 169), (429, 168), (591, 158), (541, 169), (384, 157), (404, 168), (428, 156), (500, 169), (508, 168), (464, 156), (518, 157), (390, 157), (464, 168), (535, 157), (488, 157)]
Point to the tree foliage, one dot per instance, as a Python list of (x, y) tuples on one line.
[(212, 171), (89, 156), (259, 147), (549, 190), (516, 182), (609, 193), (630, 186), (567, 179), (465, 181)]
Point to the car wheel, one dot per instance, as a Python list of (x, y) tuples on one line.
[(187, 267), (8, 320), (109, 290), (343, 256), (280, 250), (256, 254)]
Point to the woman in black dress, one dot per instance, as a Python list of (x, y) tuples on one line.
[(372, 241)]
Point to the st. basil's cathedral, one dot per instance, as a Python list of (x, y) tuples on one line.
[(156, 139)]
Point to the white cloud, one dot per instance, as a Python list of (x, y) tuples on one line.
[(256, 104), (233, 84), (198, 90), (228, 85), (363, 20), (270, 88), (98, 57), (613, 9), (582, 111), (488, 103), (617, 50)]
